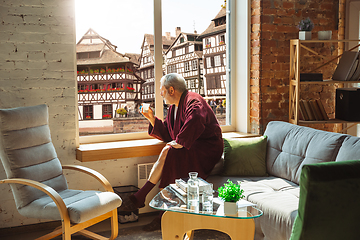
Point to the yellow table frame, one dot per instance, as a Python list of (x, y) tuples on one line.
[(175, 225)]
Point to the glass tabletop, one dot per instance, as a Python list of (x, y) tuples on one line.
[(169, 199)]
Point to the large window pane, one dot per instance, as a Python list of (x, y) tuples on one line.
[(115, 58), (198, 52), (113, 46)]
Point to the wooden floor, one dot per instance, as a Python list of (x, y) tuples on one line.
[(37, 230)]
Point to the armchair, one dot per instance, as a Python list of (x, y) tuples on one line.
[(329, 201), (37, 181)]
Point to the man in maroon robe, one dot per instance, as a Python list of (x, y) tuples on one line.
[(193, 136)]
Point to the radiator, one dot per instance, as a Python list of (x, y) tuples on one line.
[(143, 175)]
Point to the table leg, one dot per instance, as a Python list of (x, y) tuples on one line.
[(174, 225)]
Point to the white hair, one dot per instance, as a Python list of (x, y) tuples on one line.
[(173, 80)]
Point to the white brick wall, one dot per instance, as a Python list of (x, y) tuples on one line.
[(35, 68), (38, 65)]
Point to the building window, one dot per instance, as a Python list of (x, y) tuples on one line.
[(88, 111), (207, 42), (209, 62), (106, 111), (221, 39), (217, 60), (194, 64), (187, 66)]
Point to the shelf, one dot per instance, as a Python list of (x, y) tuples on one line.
[(327, 81), (327, 121), (296, 46), (325, 41)]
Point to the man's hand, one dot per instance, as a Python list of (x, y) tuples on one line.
[(149, 115), (174, 144)]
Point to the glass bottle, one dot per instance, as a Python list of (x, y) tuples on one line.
[(193, 192)]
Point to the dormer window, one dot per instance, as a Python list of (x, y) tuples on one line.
[(220, 21)]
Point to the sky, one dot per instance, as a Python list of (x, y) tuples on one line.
[(124, 22)]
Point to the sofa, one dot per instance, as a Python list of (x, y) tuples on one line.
[(269, 170)]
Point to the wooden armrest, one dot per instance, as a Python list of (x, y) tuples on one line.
[(46, 189), (106, 184)]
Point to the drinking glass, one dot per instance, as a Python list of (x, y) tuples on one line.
[(207, 198)]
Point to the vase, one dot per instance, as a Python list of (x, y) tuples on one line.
[(230, 208), (305, 35), (324, 35)]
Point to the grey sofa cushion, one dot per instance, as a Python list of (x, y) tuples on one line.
[(291, 146), (350, 149), (277, 198)]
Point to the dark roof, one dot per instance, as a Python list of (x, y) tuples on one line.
[(211, 28)]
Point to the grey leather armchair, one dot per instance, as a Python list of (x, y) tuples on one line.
[(36, 177)]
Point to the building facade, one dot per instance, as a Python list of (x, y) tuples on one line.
[(146, 69), (185, 57), (107, 80), (214, 56)]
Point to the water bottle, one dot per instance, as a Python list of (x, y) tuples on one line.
[(193, 192)]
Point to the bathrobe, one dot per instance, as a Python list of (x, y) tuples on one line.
[(195, 127)]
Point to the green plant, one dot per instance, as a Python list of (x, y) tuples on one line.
[(306, 25), (230, 192), (121, 111)]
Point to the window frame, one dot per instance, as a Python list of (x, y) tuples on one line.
[(237, 114)]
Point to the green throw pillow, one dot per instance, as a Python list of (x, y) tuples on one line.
[(245, 156)]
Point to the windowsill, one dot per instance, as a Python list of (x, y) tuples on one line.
[(132, 148)]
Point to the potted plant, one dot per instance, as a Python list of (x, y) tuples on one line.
[(121, 111), (230, 193), (305, 26)]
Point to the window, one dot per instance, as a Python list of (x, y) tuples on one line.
[(88, 111), (166, 6), (107, 111), (187, 66), (194, 64), (208, 62), (217, 60), (221, 39)]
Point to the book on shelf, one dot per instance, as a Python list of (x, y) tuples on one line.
[(322, 109), (316, 110), (312, 109), (303, 112), (347, 66), (309, 110)]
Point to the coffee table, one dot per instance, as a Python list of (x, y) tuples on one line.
[(177, 221)]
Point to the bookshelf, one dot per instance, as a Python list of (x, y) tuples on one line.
[(296, 46)]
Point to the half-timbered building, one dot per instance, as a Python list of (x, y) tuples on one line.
[(185, 57), (214, 55), (107, 80), (146, 68)]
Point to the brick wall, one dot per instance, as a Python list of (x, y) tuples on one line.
[(273, 24), (36, 66)]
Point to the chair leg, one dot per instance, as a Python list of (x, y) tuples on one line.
[(114, 225), (66, 234)]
